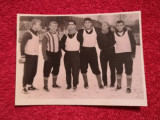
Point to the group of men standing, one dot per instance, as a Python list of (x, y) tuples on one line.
[(117, 48)]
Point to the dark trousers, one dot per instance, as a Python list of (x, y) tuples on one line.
[(52, 62), (72, 65), (126, 59), (30, 69), (89, 56), (108, 56)]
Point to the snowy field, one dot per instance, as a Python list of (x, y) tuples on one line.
[(92, 93)]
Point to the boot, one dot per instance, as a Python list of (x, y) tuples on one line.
[(46, 84), (119, 79), (85, 81), (55, 82), (99, 81), (129, 82)]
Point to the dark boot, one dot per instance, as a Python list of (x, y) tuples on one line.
[(119, 79), (85, 81), (55, 82), (129, 82), (46, 85), (99, 80)]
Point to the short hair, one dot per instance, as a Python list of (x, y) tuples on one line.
[(87, 19), (34, 21), (53, 22), (120, 21), (72, 21), (105, 23)]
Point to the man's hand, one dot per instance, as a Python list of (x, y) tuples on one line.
[(46, 58), (128, 28), (112, 29), (132, 56), (22, 60)]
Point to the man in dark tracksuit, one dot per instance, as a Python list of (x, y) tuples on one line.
[(88, 53), (71, 45), (106, 43), (29, 55), (51, 54), (125, 49)]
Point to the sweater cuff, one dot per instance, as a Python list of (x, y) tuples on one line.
[(23, 56)]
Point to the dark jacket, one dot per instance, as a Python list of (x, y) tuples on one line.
[(106, 41)]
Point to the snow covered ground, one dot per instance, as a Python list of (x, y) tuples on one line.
[(92, 93)]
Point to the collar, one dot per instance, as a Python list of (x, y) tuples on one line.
[(122, 33), (71, 35), (52, 32), (34, 32), (89, 31)]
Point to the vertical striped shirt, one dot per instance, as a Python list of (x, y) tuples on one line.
[(53, 42)]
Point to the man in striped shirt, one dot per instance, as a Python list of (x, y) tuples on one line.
[(51, 54)]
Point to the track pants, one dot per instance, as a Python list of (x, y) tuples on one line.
[(72, 66), (108, 56), (30, 69)]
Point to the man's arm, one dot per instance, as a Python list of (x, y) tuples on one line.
[(44, 47), (113, 38), (24, 41), (100, 41), (62, 42), (80, 36), (133, 43), (98, 30)]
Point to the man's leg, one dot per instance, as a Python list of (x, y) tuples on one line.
[(112, 69), (129, 69), (104, 67), (67, 64), (119, 68), (84, 66), (75, 62), (93, 61), (56, 66), (35, 64), (27, 73), (33, 70), (46, 71)]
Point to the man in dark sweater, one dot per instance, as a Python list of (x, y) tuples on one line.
[(29, 54), (88, 53), (125, 49), (106, 43), (71, 46)]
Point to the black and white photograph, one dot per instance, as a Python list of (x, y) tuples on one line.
[(80, 59)]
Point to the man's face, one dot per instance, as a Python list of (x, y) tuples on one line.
[(71, 26), (105, 26), (120, 27), (53, 27), (88, 25), (38, 26)]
